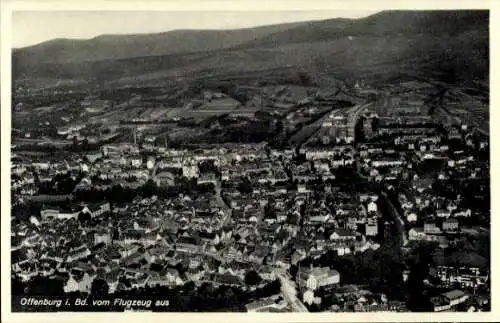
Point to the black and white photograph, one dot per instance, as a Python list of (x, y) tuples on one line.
[(269, 161)]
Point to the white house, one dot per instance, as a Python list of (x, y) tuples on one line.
[(463, 213), (371, 228), (318, 277), (102, 237), (447, 300), (411, 217), (136, 162), (190, 171), (78, 253), (34, 220), (417, 234), (82, 285), (49, 213), (67, 215), (342, 235), (97, 210), (172, 276), (372, 207), (308, 297)]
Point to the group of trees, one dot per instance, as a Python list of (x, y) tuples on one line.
[(251, 131), (50, 150), (252, 278), (22, 212), (123, 194), (59, 185), (37, 286), (245, 186)]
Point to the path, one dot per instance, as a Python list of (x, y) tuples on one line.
[(289, 291)]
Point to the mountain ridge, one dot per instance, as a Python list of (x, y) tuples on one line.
[(109, 46), (453, 45)]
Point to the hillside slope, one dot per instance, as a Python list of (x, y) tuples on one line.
[(388, 45), (106, 47), (442, 23)]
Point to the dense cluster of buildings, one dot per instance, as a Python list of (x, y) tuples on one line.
[(265, 211), (217, 237)]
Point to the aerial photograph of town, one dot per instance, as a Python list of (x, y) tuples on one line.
[(250, 162)]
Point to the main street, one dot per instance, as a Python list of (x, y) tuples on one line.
[(220, 201), (397, 218), (289, 291)]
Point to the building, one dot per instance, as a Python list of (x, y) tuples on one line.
[(49, 213), (466, 276), (411, 217), (431, 228), (190, 171), (165, 179), (342, 235), (319, 277), (264, 305), (80, 284), (372, 207), (368, 128), (78, 253), (450, 225), (308, 297), (96, 210), (207, 179), (446, 301), (455, 297), (371, 228), (102, 237), (136, 162)]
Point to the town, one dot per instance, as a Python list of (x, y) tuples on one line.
[(302, 159), (378, 205)]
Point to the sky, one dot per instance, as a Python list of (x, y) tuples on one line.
[(33, 27)]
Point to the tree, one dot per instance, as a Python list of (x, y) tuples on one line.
[(124, 280), (293, 271), (85, 144), (245, 186), (252, 278), (43, 286), (84, 217), (116, 193), (149, 189), (18, 287), (189, 287), (156, 267), (99, 288)]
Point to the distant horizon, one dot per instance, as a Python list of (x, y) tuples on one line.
[(31, 28)]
